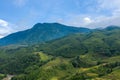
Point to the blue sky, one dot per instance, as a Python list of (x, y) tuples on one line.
[(16, 15)]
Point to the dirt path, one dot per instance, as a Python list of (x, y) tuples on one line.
[(8, 77)]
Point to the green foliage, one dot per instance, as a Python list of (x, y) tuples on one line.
[(79, 62), (57, 68), (104, 43), (75, 57), (2, 76), (95, 72), (115, 75), (18, 64)]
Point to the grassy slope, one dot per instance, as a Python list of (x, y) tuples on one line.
[(43, 57), (60, 68), (115, 75), (91, 72)]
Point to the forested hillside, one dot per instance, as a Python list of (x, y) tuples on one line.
[(40, 33), (92, 56)]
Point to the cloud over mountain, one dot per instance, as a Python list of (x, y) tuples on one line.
[(6, 28)]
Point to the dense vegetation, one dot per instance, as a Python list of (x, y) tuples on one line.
[(14, 61), (104, 42), (92, 56)]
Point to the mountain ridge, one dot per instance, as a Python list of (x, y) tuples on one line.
[(41, 32)]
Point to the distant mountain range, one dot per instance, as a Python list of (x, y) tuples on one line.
[(40, 33)]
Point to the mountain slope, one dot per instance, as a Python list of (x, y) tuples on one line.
[(41, 33), (102, 42), (95, 55)]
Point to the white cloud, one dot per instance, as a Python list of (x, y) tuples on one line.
[(4, 32), (3, 23), (109, 4), (6, 28), (87, 20), (99, 18), (103, 20), (76, 20), (1, 36)]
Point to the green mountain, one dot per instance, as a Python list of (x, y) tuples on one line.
[(41, 33), (91, 56), (105, 42)]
